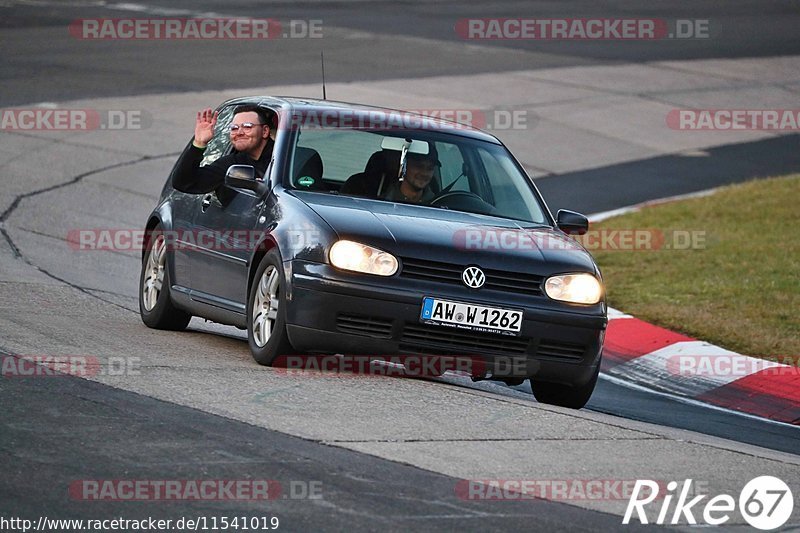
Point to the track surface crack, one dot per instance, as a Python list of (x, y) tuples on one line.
[(72, 181)]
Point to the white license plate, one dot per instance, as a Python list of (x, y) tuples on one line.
[(470, 316)]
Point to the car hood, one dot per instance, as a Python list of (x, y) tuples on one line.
[(434, 234)]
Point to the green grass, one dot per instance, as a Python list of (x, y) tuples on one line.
[(739, 289)]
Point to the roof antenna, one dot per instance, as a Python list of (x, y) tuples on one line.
[(322, 60)]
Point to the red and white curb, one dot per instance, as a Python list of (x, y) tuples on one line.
[(656, 358)]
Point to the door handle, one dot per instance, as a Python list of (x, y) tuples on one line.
[(206, 202)]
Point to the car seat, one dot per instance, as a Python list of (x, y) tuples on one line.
[(308, 166), (381, 168)]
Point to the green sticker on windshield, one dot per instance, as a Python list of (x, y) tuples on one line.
[(306, 181)]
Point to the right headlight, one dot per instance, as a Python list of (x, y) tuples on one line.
[(574, 288), (349, 255)]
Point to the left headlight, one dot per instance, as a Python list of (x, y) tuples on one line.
[(349, 255), (574, 288)]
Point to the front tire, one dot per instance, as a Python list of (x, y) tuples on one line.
[(155, 305), (564, 395), (266, 312)]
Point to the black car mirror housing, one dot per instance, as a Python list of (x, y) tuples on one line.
[(244, 177), (241, 177), (571, 222)]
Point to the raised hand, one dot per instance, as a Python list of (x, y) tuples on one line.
[(204, 126)]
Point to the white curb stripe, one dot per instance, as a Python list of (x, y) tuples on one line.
[(613, 314), (690, 368)]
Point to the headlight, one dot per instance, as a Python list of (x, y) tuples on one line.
[(349, 255), (574, 288)]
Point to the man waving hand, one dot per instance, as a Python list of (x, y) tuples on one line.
[(249, 131)]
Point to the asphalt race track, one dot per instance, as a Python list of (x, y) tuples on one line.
[(361, 453)]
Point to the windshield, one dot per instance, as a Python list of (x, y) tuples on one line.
[(431, 169)]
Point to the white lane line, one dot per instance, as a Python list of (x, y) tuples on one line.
[(603, 215), (168, 11)]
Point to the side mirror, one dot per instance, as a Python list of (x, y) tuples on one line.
[(242, 177), (571, 222)]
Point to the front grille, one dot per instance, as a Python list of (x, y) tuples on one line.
[(380, 328), (449, 341), (559, 350), (449, 273)]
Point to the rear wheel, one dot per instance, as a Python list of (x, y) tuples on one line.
[(266, 312), (155, 306), (564, 395)]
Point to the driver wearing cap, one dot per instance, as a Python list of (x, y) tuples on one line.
[(414, 187)]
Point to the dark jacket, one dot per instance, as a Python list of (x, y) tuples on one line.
[(190, 177)]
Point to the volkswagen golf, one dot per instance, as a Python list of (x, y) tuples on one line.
[(376, 231)]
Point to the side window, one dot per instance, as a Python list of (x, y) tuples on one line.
[(452, 165), (221, 142), (343, 153)]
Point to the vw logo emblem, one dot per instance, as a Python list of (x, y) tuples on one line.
[(473, 277)]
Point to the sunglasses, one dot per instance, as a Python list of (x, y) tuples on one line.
[(245, 126)]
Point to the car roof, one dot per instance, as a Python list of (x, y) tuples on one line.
[(313, 106)]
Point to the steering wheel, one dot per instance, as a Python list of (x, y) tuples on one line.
[(455, 195), (464, 201)]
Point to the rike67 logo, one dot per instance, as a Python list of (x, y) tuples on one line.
[(765, 503)]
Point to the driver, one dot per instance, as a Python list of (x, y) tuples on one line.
[(415, 187)]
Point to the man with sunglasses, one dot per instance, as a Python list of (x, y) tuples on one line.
[(249, 131)]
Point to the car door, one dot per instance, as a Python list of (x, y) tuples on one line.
[(225, 224), (184, 206)]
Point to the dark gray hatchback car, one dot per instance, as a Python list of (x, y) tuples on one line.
[(327, 255)]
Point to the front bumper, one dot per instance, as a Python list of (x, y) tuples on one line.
[(332, 311)]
